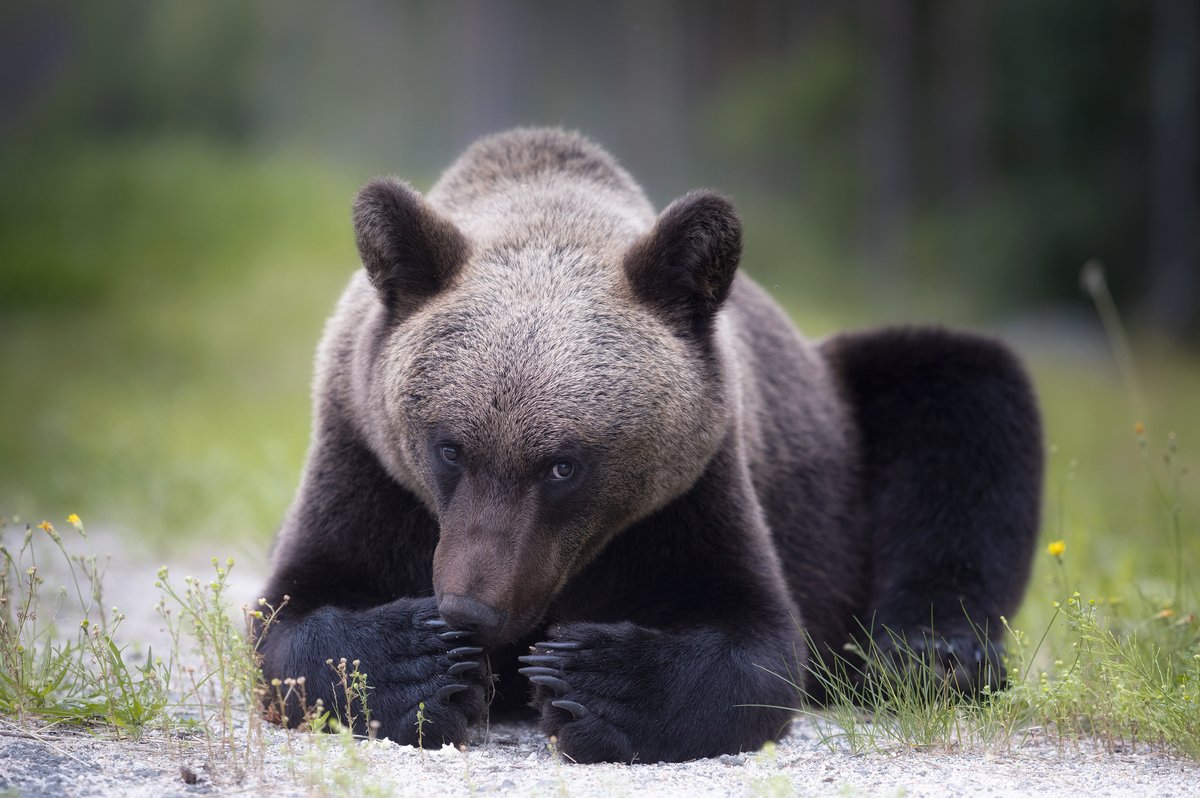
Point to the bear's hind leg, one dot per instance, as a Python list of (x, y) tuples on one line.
[(951, 475)]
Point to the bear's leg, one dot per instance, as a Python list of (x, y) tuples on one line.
[(354, 561), (951, 476), (678, 641), (627, 692)]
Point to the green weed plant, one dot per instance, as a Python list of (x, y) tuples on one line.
[(79, 675)]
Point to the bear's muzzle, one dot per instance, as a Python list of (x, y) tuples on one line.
[(467, 614)]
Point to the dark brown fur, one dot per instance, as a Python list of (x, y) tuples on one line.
[(533, 317)]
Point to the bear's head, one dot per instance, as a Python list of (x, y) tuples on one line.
[(542, 379)]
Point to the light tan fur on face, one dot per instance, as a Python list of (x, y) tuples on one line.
[(540, 342)]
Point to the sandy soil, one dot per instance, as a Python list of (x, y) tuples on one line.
[(515, 759)]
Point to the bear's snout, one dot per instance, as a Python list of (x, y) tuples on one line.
[(467, 614)]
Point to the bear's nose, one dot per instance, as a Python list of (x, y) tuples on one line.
[(467, 614)]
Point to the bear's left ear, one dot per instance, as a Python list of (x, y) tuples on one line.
[(410, 251), (684, 267)]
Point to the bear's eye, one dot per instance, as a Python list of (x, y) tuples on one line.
[(450, 454), (561, 471)]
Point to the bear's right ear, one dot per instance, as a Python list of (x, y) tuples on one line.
[(684, 267), (409, 250)]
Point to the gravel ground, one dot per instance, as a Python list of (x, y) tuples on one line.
[(514, 759)]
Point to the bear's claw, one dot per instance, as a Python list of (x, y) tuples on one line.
[(455, 635), (464, 659), (541, 659), (561, 645), (574, 707), (553, 682), (459, 668), (464, 651), (445, 693), (537, 670), (968, 663)]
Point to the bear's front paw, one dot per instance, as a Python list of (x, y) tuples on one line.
[(966, 662), (430, 687), (586, 693), (619, 692)]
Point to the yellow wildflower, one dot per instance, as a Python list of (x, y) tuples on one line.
[(49, 529), (1139, 429), (1166, 613), (1056, 548), (74, 520)]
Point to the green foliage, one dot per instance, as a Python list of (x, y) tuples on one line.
[(209, 687), (140, 67), (901, 698), (335, 766), (1051, 115), (1023, 129), (221, 695), (810, 96), (81, 677), (1122, 683), (157, 321), (1113, 683), (421, 721)]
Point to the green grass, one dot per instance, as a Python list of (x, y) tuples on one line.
[(63, 662), (75, 675), (158, 313), (62, 658)]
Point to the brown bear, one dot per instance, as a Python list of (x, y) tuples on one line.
[(550, 423)]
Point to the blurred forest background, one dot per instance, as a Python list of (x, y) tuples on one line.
[(174, 211)]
